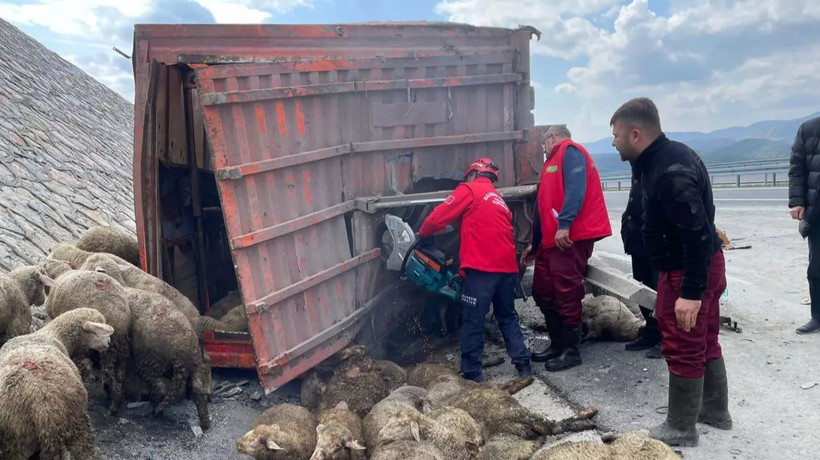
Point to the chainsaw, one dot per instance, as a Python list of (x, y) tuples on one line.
[(418, 263)]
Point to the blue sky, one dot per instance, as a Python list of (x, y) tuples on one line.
[(708, 64)]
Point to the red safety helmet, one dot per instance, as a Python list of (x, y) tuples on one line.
[(482, 165)]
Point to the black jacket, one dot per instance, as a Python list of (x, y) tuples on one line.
[(679, 213), (632, 221), (804, 169)]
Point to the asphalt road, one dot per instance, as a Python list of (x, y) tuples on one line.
[(773, 372)]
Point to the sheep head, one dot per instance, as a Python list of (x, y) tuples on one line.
[(334, 442), (260, 441), (399, 427)]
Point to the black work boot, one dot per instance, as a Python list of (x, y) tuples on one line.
[(812, 326), (714, 408), (679, 428), (554, 329), (524, 369), (571, 354), (654, 352), (650, 334)]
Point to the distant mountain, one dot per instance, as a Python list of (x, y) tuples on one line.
[(761, 140)]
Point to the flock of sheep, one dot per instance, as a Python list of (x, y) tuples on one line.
[(365, 408), (101, 313)]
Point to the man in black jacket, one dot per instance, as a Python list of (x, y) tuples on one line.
[(681, 241), (804, 183), (642, 270)]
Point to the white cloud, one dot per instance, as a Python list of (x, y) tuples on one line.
[(249, 11), (708, 64), (70, 17)]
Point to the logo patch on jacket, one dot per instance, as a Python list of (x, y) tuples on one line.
[(552, 169)]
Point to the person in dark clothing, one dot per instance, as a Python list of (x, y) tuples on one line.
[(631, 222), (570, 216), (804, 185), (681, 242), (488, 264)]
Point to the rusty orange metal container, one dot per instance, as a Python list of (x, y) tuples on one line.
[(266, 157)]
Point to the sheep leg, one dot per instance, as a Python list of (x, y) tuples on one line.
[(118, 371), (514, 386), (201, 401), (578, 422), (176, 387), (81, 446), (107, 361), (159, 394)]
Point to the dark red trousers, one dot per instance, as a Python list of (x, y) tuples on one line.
[(558, 280), (687, 353)]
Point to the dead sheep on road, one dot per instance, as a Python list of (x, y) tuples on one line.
[(507, 447), (453, 431), (500, 413), (407, 450), (283, 432), (112, 241), (634, 445), (103, 293), (20, 289), (339, 435), (607, 318), (131, 276), (361, 381), (384, 411), (43, 403), (163, 342), (423, 375)]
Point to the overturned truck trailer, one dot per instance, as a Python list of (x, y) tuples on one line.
[(267, 156)]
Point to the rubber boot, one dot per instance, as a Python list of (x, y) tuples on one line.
[(714, 408), (679, 428), (650, 334), (571, 354), (554, 329)]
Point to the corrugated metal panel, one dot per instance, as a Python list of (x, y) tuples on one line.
[(331, 115)]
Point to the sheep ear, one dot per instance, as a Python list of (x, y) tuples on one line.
[(354, 444), (414, 427), (272, 445), (342, 406), (99, 329), (319, 428), (47, 281)]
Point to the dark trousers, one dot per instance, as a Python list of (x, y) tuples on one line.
[(480, 290), (642, 271), (813, 273), (687, 353), (558, 280)]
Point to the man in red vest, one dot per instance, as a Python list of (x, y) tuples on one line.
[(488, 265), (570, 216)]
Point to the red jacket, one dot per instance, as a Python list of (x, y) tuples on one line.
[(592, 221), (486, 226)]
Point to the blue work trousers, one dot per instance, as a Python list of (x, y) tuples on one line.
[(481, 289)]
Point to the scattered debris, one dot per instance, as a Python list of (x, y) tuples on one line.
[(806, 386), (726, 244), (731, 325), (230, 393), (256, 395), (197, 431), (137, 405), (123, 421)]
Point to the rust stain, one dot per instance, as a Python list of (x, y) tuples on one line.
[(306, 184), (300, 118), (280, 117)]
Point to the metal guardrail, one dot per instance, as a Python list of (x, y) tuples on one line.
[(756, 172)]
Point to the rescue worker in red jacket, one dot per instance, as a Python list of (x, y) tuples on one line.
[(488, 265), (570, 216)]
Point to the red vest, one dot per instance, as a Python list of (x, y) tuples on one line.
[(486, 226), (592, 221)]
